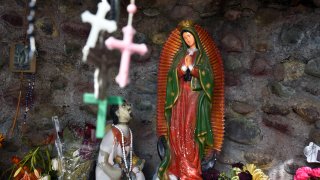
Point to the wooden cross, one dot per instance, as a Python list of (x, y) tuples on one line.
[(104, 61), (98, 23), (102, 110), (127, 48)]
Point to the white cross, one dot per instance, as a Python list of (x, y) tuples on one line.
[(127, 48), (98, 23)]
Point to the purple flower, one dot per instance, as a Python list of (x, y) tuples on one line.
[(245, 176)]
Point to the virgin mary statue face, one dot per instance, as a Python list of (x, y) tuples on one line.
[(189, 39)]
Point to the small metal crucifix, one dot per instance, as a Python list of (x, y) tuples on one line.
[(98, 23), (127, 47)]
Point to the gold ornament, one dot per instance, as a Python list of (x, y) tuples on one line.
[(185, 24)]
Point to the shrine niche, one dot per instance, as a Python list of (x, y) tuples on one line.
[(19, 59), (264, 123)]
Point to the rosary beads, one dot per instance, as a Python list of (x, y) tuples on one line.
[(29, 96), (127, 169)]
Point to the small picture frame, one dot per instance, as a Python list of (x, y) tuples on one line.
[(19, 61)]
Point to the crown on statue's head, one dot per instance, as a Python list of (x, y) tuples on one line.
[(185, 23)]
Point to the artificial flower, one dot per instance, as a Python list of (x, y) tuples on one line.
[(15, 160), (316, 172), (245, 176), (236, 171), (257, 174), (306, 173), (302, 173), (55, 164), (36, 173), (31, 165), (26, 176)]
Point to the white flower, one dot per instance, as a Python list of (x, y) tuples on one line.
[(55, 164)]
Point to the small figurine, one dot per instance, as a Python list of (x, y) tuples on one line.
[(116, 159), (312, 152), (190, 119)]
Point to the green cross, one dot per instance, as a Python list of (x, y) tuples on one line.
[(102, 109)]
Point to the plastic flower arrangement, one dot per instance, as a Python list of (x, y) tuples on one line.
[(247, 172), (33, 166), (307, 173), (76, 147), (239, 171)]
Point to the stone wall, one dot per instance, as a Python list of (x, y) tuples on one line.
[(271, 58)]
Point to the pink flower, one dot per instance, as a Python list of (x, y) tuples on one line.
[(315, 172), (303, 173)]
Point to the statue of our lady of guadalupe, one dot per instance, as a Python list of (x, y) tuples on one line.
[(190, 109)]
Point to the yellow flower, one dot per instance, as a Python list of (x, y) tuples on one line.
[(1, 139), (257, 174)]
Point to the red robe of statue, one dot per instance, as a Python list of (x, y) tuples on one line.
[(185, 162)]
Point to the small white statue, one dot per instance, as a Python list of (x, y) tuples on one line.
[(116, 159), (312, 152)]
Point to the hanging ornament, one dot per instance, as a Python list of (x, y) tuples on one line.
[(103, 62), (29, 96), (22, 60), (98, 23), (30, 31), (126, 46), (22, 57), (102, 110)]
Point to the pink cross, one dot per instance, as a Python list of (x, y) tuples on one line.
[(127, 48)]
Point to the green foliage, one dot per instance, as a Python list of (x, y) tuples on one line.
[(38, 158)]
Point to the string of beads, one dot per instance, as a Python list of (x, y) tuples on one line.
[(29, 96), (127, 169)]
